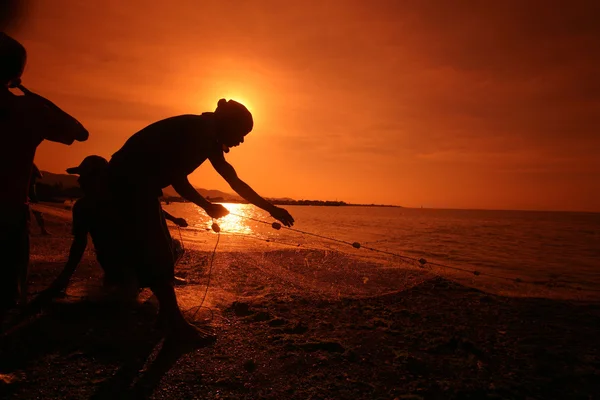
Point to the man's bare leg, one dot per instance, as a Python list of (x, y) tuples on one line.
[(172, 317)]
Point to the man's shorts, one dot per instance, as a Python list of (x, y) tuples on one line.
[(149, 242)]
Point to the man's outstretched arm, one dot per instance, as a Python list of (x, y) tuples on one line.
[(62, 281), (55, 124), (227, 171), (185, 189)]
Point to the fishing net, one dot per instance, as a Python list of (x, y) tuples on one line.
[(249, 258)]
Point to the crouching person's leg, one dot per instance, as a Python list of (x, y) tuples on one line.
[(120, 281)]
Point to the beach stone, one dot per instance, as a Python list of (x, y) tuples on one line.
[(380, 322), (447, 347), (472, 348), (326, 325), (351, 356), (261, 316), (250, 366), (223, 382), (241, 309), (415, 316), (274, 338), (404, 313), (416, 366), (332, 347), (486, 299), (277, 322), (393, 332), (364, 327), (297, 329), (289, 390)]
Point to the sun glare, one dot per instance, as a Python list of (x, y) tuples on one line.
[(211, 100), (242, 100), (241, 94)]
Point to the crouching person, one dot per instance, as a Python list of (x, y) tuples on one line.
[(95, 214)]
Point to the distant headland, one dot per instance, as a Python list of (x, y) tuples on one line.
[(59, 187)]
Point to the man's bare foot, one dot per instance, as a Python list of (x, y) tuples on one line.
[(189, 335)]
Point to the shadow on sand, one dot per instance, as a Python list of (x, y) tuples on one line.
[(111, 352), (437, 340)]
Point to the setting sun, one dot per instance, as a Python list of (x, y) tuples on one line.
[(387, 98)]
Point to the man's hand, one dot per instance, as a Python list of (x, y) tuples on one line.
[(180, 222), (15, 83), (216, 210), (282, 215)]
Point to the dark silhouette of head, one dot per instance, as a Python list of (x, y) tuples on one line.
[(13, 58), (93, 175), (234, 121)]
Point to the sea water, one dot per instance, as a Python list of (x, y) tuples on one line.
[(559, 247)]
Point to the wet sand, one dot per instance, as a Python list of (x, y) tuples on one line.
[(436, 339)]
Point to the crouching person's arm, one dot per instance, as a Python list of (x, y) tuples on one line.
[(177, 221), (75, 254), (62, 281), (80, 234)]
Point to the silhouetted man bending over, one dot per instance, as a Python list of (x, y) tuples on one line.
[(164, 154), (25, 121)]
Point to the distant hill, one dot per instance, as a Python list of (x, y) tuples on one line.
[(64, 180), (59, 186)]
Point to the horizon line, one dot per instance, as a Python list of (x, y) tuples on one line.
[(408, 207)]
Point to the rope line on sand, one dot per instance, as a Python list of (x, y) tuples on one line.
[(217, 229), (274, 241), (421, 262), (212, 258)]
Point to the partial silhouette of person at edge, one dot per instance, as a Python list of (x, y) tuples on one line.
[(25, 121), (95, 213), (165, 153), (39, 217)]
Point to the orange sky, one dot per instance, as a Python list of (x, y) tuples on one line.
[(441, 104)]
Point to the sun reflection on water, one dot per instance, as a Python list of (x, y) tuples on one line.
[(235, 224)]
